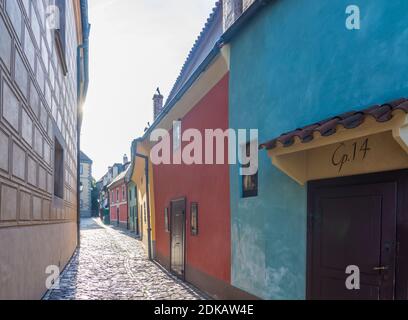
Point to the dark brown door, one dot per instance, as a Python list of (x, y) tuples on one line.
[(352, 224), (177, 246)]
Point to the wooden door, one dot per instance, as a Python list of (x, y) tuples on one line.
[(352, 224), (177, 245)]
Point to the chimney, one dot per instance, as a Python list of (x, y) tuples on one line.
[(125, 159), (232, 9), (157, 103)]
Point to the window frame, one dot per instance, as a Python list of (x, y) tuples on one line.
[(166, 220), (253, 179), (177, 135), (58, 170), (60, 35), (194, 229)]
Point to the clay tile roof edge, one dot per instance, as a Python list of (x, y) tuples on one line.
[(349, 120)]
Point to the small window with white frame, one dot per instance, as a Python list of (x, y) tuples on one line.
[(176, 135)]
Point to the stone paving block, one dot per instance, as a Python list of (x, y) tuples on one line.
[(112, 265)]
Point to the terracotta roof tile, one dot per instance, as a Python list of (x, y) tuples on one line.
[(353, 121), (403, 106), (328, 127)]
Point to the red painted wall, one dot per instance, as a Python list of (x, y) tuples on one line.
[(120, 202), (210, 251)]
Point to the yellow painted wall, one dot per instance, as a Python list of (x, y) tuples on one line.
[(139, 179)]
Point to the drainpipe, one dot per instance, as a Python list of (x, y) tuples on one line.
[(149, 228), (78, 184), (79, 124), (81, 94), (128, 204), (86, 28), (80, 99)]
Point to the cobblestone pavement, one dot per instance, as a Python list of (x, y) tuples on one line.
[(112, 265)]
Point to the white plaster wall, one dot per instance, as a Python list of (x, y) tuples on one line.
[(22, 276)]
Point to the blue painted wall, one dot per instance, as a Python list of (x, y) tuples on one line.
[(296, 63)]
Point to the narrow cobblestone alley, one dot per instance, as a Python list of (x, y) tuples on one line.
[(112, 265)]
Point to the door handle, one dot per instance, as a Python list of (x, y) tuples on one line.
[(380, 268)]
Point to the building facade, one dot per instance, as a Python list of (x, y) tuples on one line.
[(141, 173), (192, 214), (104, 196), (86, 179), (333, 196), (133, 207), (133, 210), (118, 198), (342, 88), (43, 81)]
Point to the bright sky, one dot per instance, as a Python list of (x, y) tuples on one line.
[(135, 46)]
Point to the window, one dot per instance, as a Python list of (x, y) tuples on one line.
[(58, 169), (176, 135), (123, 193), (117, 195), (166, 220), (81, 169), (130, 194), (194, 219), (249, 183), (81, 204), (60, 35)]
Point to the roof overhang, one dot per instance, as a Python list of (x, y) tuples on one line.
[(374, 145), (119, 180)]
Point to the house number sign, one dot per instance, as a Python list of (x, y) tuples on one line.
[(346, 153)]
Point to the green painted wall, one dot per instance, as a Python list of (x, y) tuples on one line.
[(295, 64), (132, 206)]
